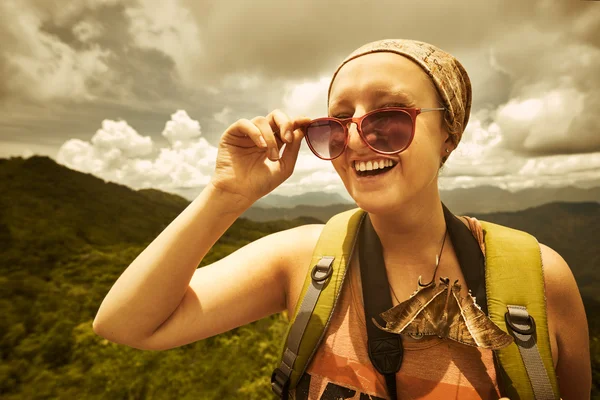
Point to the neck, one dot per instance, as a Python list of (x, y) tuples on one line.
[(413, 235)]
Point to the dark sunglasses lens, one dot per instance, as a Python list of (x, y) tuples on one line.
[(326, 138), (388, 131)]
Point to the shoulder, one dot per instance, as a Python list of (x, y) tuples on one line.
[(303, 235), (299, 243), (568, 321), (294, 243), (558, 277), (563, 301)]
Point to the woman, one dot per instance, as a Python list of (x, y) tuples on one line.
[(403, 204)]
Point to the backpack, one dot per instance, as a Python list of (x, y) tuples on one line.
[(514, 287)]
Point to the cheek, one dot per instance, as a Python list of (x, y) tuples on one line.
[(420, 156)]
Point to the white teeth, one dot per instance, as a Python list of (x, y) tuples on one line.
[(358, 167), (371, 165)]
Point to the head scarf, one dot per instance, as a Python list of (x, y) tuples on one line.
[(447, 73)]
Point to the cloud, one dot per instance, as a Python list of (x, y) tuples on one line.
[(87, 30), (66, 67), (169, 28), (120, 136), (43, 67), (118, 153), (109, 150), (483, 158), (181, 128), (306, 98), (544, 124), (224, 116)]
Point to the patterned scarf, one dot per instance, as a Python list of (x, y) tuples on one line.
[(447, 73)]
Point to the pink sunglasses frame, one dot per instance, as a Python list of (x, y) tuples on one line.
[(412, 112)]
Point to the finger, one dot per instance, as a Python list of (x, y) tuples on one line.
[(247, 128), (290, 154), (282, 124), (267, 133), (301, 121)]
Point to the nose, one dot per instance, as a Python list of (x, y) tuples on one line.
[(355, 141)]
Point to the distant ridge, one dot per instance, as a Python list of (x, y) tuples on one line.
[(67, 209)]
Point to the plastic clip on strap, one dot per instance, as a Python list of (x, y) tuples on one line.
[(522, 326), (280, 379)]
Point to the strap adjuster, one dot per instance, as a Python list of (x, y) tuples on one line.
[(324, 265), (526, 323), (280, 383)]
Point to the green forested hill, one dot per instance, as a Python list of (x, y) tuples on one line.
[(65, 237)]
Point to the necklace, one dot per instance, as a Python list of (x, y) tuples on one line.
[(437, 264)]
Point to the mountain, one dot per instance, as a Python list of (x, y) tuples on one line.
[(47, 210), (480, 199), (487, 199), (322, 213), (305, 199)]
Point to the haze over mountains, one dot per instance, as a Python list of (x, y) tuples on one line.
[(480, 199)]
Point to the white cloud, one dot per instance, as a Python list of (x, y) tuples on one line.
[(541, 124), (483, 158), (307, 98), (480, 151), (118, 153), (46, 68), (118, 135), (181, 128), (167, 27)]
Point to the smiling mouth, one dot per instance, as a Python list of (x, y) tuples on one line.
[(374, 172)]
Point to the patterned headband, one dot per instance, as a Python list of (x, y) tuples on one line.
[(447, 73)]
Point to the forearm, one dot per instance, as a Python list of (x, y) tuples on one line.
[(152, 287)]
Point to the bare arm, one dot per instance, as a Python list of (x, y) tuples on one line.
[(247, 285), (567, 315), (156, 292), (152, 287)]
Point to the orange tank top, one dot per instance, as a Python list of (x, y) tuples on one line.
[(432, 368)]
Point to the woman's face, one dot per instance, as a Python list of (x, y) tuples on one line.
[(380, 80)]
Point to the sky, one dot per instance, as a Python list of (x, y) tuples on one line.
[(139, 92)]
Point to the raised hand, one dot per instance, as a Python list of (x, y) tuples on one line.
[(248, 162)]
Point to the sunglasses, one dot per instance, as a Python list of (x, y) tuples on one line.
[(385, 131)]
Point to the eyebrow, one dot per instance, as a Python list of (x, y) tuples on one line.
[(394, 97)]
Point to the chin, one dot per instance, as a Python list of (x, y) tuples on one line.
[(380, 201)]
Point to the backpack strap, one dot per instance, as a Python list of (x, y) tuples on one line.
[(517, 304), (319, 295), (385, 348)]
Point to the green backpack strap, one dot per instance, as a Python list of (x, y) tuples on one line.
[(321, 290), (517, 304)]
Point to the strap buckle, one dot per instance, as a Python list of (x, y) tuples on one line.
[(324, 265), (280, 383), (519, 320)]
